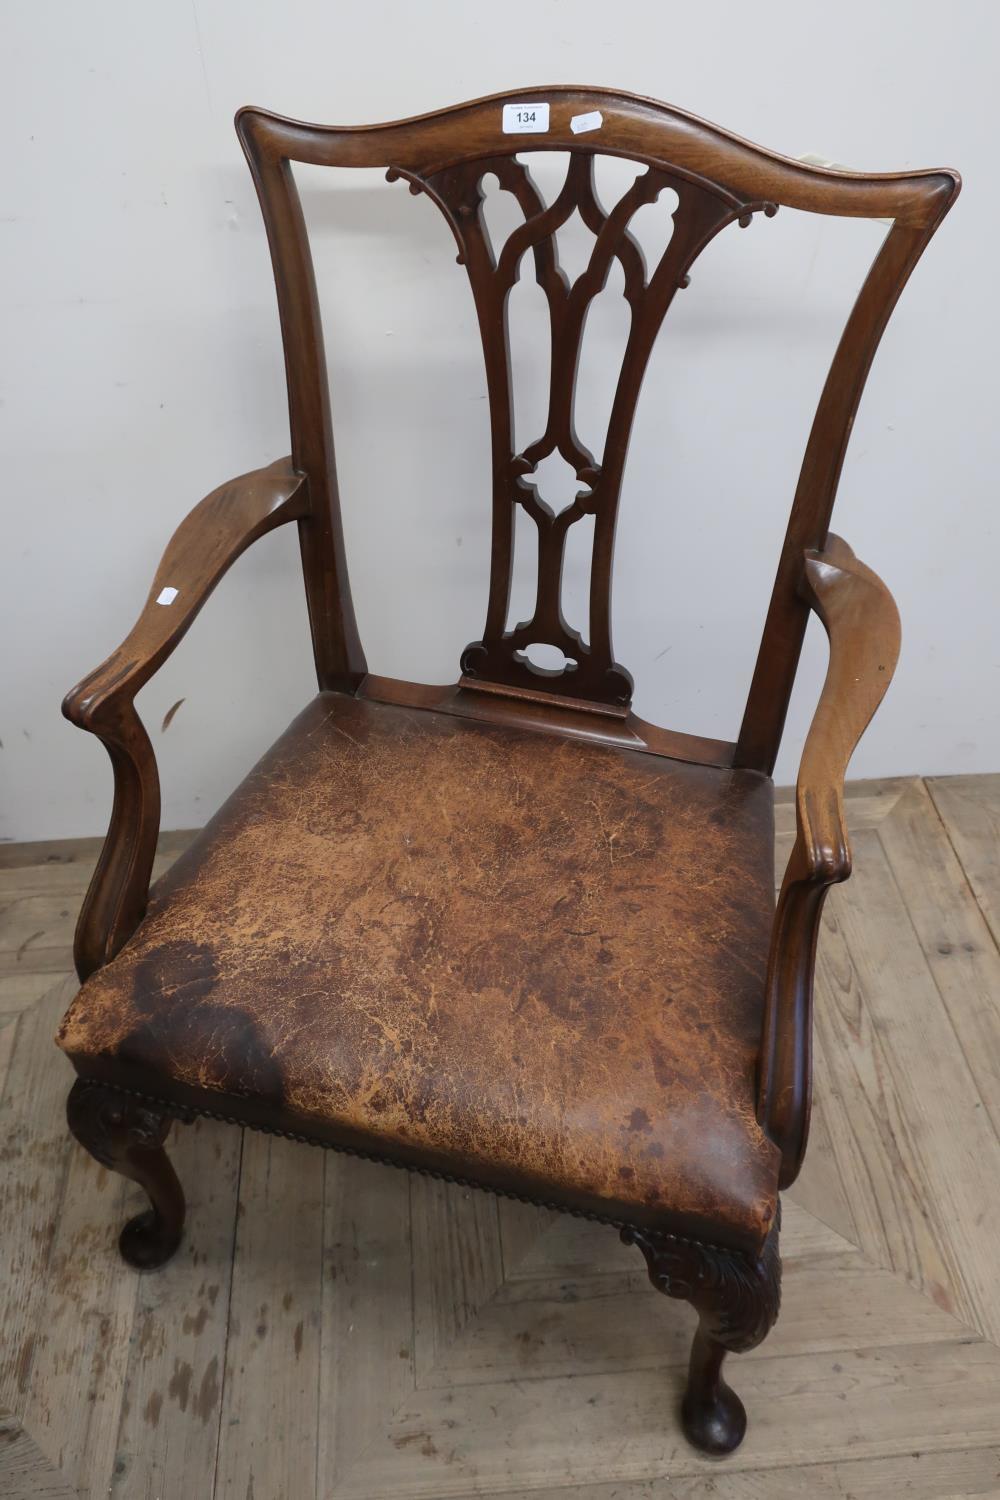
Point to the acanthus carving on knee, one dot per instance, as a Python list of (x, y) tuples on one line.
[(109, 1123), (736, 1297), (126, 1135)]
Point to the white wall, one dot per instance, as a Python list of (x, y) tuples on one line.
[(141, 364)]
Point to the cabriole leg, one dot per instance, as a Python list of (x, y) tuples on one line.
[(127, 1136), (737, 1302)]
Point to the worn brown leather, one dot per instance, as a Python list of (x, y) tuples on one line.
[(525, 959)]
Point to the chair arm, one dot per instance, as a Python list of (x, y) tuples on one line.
[(204, 546), (862, 623)]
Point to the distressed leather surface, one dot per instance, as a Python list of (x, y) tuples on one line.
[(515, 956)]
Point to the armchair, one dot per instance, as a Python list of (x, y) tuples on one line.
[(504, 932)]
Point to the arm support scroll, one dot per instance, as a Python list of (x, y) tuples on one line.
[(204, 546), (862, 624)]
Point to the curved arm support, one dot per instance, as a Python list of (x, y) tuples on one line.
[(862, 623), (204, 546)]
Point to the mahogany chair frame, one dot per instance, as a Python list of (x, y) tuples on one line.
[(719, 179)]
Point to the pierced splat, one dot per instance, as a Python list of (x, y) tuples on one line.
[(501, 659)]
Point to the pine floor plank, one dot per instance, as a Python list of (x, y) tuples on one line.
[(81, 853), (36, 934), (970, 809), (834, 1299), (867, 803), (25, 987), (953, 933), (8, 1036), (540, 1241), (869, 1121), (911, 1476), (41, 890), (67, 879), (457, 1265), (269, 1431), (952, 1148), (168, 1436), (25, 1472), (36, 1148), (368, 1344), (34, 853), (560, 1247), (87, 1307), (820, 1188), (803, 1410), (521, 1227)]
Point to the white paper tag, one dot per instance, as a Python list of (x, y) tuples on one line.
[(592, 121), (525, 119), (166, 596)]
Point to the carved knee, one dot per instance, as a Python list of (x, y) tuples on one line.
[(127, 1136), (737, 1300)]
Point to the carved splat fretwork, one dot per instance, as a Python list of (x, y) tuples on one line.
[(498, 660)]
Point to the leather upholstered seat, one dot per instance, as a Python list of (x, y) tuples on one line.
[(512, 956)]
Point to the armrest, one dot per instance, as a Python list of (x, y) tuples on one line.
[(862, 623), (204, 546)]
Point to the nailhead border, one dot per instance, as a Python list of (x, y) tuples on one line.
[(186, 1113)]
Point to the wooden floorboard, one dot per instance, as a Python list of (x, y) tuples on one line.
[(168, 1435), (969, 807), (950, 1147), (25, 1472), (274, 1326), (915, 1476), (954, 935), (334, 1330)]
